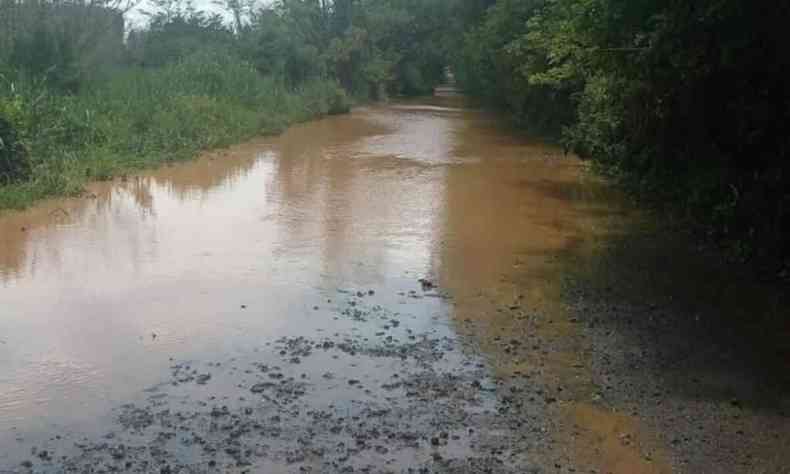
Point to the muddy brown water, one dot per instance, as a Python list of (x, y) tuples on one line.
[(204, 260)]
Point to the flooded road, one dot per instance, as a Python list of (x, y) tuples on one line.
[(413, 241)]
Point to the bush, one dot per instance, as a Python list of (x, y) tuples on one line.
[(140, 117), (14, 165), (339, 102), (685, 103)]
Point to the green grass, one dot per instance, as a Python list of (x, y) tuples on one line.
[(137, 119)]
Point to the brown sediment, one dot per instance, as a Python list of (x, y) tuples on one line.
[(292, 236), (613, 442), (510, 227)]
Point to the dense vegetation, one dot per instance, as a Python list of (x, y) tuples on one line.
[(686, 103), (82, 97)]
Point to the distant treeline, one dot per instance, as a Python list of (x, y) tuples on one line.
[(686, 102), (369, 46), (82, 96)]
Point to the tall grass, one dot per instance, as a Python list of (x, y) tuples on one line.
[(141, 117)]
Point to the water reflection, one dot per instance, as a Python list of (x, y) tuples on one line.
[(25, 235), (206, 258)]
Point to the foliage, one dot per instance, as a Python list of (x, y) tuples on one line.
[(175, 31), (67, 41), (684, 102), (79, 102), (14, 165), (142, 117)]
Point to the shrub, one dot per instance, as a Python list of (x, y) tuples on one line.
[(140, 117), (14, 165)]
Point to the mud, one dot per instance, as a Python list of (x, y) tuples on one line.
[(693, 348), (313, 404), (410, 288)]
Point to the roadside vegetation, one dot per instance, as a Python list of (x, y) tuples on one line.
[(85, 96), (684, 103)]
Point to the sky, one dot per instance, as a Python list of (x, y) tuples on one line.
[(135, 18)]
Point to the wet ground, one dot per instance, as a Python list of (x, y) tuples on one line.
[(695, 349), (410, 288)]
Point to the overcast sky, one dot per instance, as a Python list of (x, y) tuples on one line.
[(134, 18)]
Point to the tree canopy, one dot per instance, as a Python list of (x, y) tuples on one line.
[(685, 102)]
